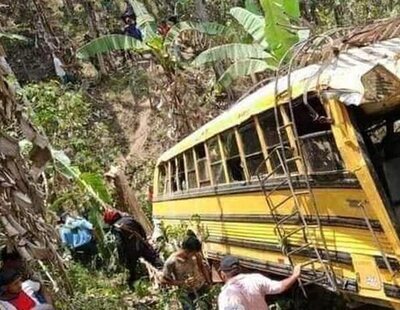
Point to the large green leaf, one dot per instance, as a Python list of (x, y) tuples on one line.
[(63, 165), (95, 181), (278, 31), (109, 43), (254, 24), (253, 6), (204, 27), (92, 183), (141, 12), (243, 68), (233, 52), (292, 8)]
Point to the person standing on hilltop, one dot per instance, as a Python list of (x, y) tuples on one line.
[(129, 19)]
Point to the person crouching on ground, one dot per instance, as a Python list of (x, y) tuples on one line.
[(18, 295), (77, 234), (248, 291), (186, 269), (131, 242)]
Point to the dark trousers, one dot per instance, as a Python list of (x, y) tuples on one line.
[(85, 253), (129, 253), (189, 300)]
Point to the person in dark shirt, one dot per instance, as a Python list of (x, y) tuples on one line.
[(131, 242), (129, 11), (131, 30)]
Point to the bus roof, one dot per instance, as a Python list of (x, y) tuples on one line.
[(343, 74)]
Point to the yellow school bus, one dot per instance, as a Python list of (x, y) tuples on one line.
[(303, 170)]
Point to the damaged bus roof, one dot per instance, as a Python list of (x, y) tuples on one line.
[(355, 76)]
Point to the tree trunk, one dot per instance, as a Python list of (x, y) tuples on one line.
[(308, 11), (127, 201), (338, 14), (45, 28), (3, 62), (94, 31), (22, 206)]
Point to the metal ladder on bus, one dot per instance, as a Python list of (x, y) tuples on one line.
[(319, 269)]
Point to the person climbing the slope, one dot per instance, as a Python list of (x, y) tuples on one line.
[(131, 242)]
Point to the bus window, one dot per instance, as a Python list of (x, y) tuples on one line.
[(233, 162), (217, 168), (161, 180), (173, 176), (252, 147), (317, 141), (181, 173), (191, 170), (268, 125), (204, 176)]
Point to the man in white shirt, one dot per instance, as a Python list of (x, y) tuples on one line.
[(247, 291), (60, 67)]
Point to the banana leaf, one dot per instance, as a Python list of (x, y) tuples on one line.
[(243, 68), (278, 31), (233, 52), (110, 43), (253, 24), (204, 27)]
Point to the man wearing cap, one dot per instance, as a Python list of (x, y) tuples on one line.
[(131, 242), (247, 291)]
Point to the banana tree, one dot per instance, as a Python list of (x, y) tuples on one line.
[(272, 35), (153, 43), (160, 47), (92, 183)]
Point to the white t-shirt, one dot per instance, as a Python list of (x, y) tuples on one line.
[(58, 65), (247, 292)]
